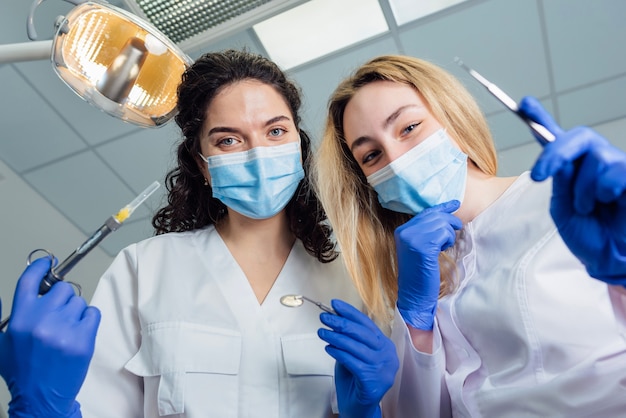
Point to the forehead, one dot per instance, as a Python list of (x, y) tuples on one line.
[(387, 92), (378, 100), (248, 94)]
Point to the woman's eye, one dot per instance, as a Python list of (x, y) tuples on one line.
[(226, 141), (369, 157), (277, 132), (409, 128)]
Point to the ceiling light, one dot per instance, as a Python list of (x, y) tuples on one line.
[(408, 10), (319, 27), (195, 23), (119, 63)]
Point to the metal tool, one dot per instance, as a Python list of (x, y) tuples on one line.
[(294, 301), (541, 131), (57, 272)]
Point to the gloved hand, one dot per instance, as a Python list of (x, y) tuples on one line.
[(589, 194), (47, 347), (418, 244), (366, 360)]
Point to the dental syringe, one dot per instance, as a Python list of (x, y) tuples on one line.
[(57, 272)]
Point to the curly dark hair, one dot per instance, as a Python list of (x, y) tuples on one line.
[(190, 203)]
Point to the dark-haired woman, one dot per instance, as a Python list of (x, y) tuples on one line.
[(192, 324)]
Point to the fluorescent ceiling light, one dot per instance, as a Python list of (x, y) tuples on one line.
[(319, 27), (405, 11), (195, 23)]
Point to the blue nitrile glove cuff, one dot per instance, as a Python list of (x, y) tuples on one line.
[(363, 411), (424, 320), (366, 360), (18, 410), (419, 242)]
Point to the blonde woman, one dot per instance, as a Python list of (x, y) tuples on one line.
[(493, 302)]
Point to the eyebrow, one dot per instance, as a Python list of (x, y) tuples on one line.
[(227, 129), (390, 119)]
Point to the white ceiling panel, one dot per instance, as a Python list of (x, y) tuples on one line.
[(13, 15), (501, 39), (614, 132), (241, 40), (144, 156), (595, 104), (345, 23), (514, 161), (586, 40), (32, 132), (509, 131), (405, 11), (81, 115), (319, 80), (83, 188)]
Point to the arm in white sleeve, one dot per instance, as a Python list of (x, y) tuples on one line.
[(419, 389), (110, 390)]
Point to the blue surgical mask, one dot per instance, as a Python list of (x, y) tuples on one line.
[(257, 183), (432, 172)]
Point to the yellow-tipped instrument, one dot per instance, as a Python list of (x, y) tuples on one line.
[(58, 273)]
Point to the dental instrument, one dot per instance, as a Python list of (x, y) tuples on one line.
[(294, 301), (543, 134), (57, 272)]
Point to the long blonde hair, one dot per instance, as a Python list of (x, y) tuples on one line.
[(363, 228)]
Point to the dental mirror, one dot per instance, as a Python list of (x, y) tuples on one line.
[(295, 301)]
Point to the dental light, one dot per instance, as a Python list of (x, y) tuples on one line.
[(116, 62)]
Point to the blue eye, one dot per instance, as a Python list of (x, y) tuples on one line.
[(277, 132), (226, 141), (409, 128)]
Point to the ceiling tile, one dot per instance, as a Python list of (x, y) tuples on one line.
[(318, 81), (586, 40), (83, 116), (345, 23), (614, 132), (509, 131), (241, 40), (84, 189), (515, 161), (144, 156), (501, 39), (593, 105), (14, 13), (33, 133)]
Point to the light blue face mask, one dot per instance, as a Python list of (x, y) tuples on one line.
[(257, 183), (432, 172)]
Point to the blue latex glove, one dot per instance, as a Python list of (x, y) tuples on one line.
[(589, 194), (47, 347), (418, 244), (366, 360)]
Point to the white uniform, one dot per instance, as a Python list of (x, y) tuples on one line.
[(527, 334), (182, 334)]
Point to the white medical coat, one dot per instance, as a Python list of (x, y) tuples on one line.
[(182, 334), (527, 334)]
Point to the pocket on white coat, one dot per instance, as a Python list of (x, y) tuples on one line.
[(310, 369), (171, 353)]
